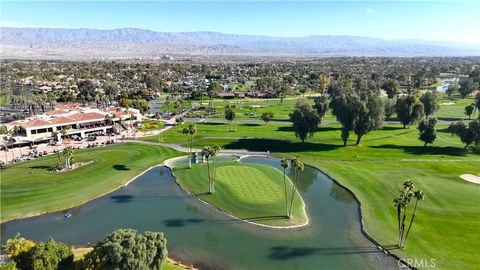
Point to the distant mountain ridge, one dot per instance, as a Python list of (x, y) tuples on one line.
[(125, 42)]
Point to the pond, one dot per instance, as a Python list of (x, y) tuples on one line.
[(446, 83), (203, 236)]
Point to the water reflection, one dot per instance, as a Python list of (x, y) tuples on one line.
[(340, 194), (205, 237)]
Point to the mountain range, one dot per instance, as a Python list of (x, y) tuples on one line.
[(133, 43)]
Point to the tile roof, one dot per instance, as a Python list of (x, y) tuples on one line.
[(35, 123), (87, 116)]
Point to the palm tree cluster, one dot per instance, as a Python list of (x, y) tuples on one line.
[(210, 152), (298, 166), (68, 152), (407, 194)]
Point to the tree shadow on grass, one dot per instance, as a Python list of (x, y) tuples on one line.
[(449, 118), (289, 128), (279, 145), (428, 150), (285, 252), (43, 167), (393, 128), (260, 218), (120, 167)]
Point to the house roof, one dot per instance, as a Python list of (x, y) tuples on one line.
[(56, 112), (35, 123), (61, 120), (87, 116)]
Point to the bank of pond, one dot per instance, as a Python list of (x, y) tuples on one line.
[(201, 235)]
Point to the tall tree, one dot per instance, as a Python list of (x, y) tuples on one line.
[(230, 115), (469, 110), (360, 113), (428, 133), (477, 103), (430, 103), (321, 105), (467, 87), (369, 115), (267, 116), (451, 90), (419, 196), (297, 166), (391, 87), (284, 163), (409, 110), (401, 203), (68, 152), (305, 120), (467, 134), (86, 90), (190, 131)]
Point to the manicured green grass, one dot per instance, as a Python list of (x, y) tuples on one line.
[(455, 111), (253, 192), (447, 225), (280, 110), (30, 188), (150, 125)]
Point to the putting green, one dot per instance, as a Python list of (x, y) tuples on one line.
[(253, 192)]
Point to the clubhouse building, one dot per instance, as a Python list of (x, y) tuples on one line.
[(69, 120)]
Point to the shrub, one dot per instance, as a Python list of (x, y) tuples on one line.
[(16, 245), (125, 249), (46, 256)]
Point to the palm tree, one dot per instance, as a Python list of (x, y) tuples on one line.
[(55, 136), (206, 153), (68, 152), (190, 131), (64, 132), (298, 166), (401, 203), (216, 151), (407, 197), (419, 196), (284, 164)]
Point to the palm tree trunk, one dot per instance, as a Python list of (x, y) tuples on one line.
[(403, 225), (410, 225), (399, 210), (209, 178), (293, 193), (286, 198)]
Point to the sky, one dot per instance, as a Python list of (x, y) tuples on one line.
[(457, 21)]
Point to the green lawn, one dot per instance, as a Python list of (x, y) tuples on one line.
[(453, 109), (447, 226), (150, 125), (30, 188), (253, 192)]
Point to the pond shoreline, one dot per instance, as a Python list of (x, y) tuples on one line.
[(300, 226), (32, 215), (381, 248), (387, 252)]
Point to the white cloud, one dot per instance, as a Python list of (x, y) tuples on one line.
[(369, 11)]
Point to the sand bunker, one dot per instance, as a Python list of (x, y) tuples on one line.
[(448, 103), (471, 178)]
